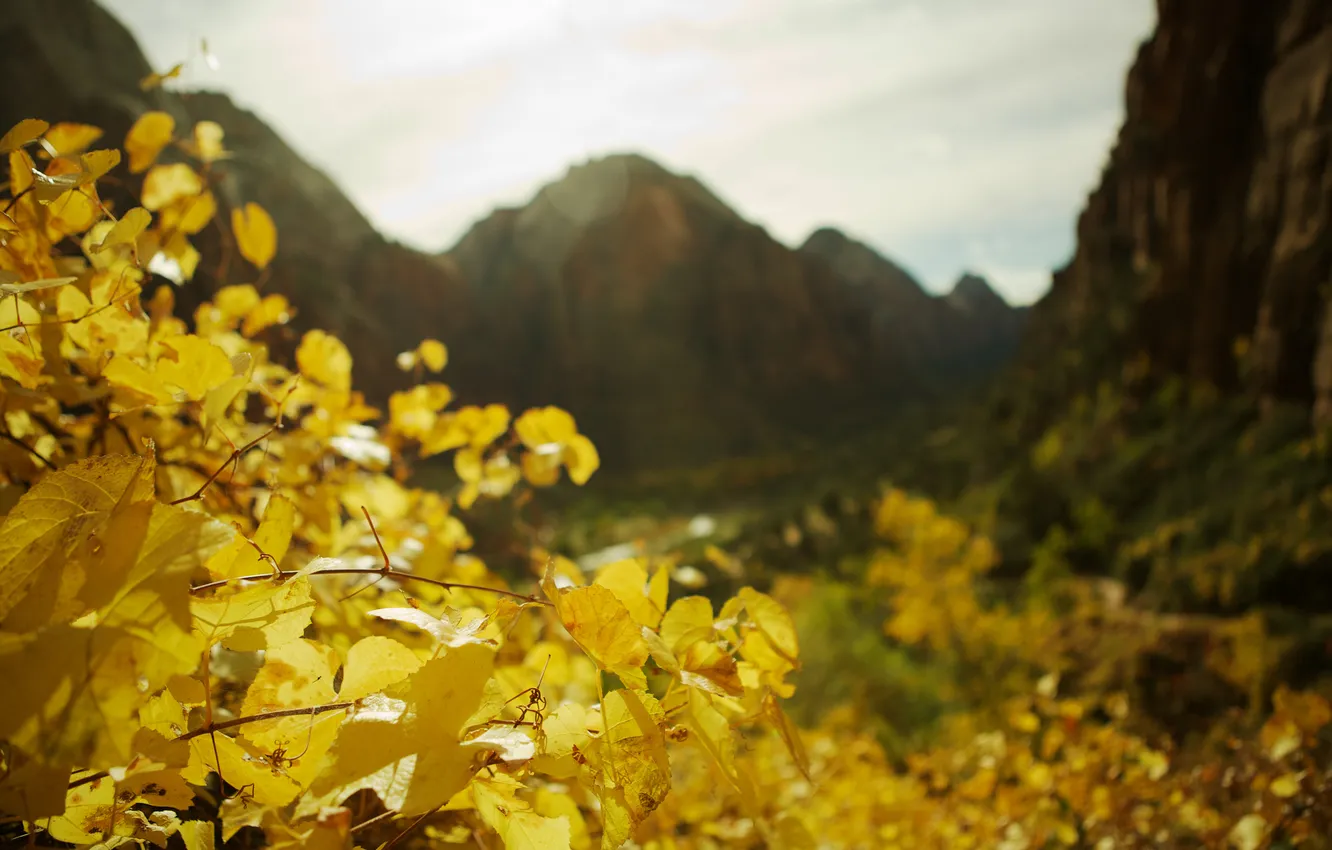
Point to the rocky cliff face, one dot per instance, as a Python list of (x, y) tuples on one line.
[(1212, 225), (676, 331)]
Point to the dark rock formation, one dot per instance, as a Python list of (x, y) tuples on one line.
[(1213, 220)]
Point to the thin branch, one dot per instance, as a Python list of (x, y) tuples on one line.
[(92, 777), (29, 449), (268, 715), (365, 824), (234, 457), (362, 571), (401, 835)]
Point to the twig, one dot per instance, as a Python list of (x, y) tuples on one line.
[(377, 571), (234, 457), (268, 715), (365, 824), (29, 449), (414, 825)]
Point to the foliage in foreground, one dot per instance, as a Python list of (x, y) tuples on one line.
[(1042, 740), (225, 619)]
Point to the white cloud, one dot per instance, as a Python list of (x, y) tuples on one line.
[(924, 126)]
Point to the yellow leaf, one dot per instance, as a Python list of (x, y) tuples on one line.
[(97, 163), (707, 666), (256, 236), (166, 184), (154, 80), (58, 515), (145, 140), (687, 621), (208, 141), (602, 626), (81, 685), (144, 387), (413, 413), (565, 729), (380, 746), (72, 213), (773, 620), (274, 534), (433, 354), (324, 359), (1248, 832), (581, 459), (636, 773), (374, 663), (69, 139), (21, 363), (197, 834), (25, 131), (297, 674), (1286, 786), (125, 231), (198, 367), (272, 310), (629, 582), (194, 213), (254, 617), (517, 826), (556, 805), (539, 428)]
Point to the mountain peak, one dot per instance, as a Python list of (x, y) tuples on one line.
[(973, 291), (860, 265)]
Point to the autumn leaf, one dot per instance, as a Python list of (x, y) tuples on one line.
[(324, 359), (603, 627), (60, 514), (25, 131), (197, 366), (69, 139), (256, 236), (166, 184), (379, 747), (150, 133), (254, 617), (208, 141), (374, 663), (127, 229)]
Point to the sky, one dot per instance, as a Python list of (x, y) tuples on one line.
[(950, 135)]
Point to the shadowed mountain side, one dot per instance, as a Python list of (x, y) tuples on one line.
[(1211, 231), (680, 332)]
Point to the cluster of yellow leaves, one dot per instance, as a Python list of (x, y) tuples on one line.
[(1071, 772), (203, 633)]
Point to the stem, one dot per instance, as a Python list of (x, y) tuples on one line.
[(414, 825), (232, 458), (267, 715), (363, 571), (29, 449)]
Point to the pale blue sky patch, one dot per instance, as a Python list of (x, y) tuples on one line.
[(950, 134)]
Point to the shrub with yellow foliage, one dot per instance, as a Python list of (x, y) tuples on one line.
[(226, 620)]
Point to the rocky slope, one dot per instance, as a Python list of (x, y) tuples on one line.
[(678, 331), (675, 330), (1211, 231)]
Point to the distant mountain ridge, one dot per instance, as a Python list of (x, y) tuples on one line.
[(676, 331)]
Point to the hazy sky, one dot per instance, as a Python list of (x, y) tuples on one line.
[(949, 134)]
